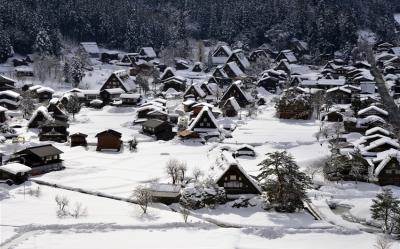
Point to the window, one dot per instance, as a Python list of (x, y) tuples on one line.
[(208, 124), (232, 177), (233, 184)]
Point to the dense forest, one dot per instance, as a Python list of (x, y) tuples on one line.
[(327, 25)]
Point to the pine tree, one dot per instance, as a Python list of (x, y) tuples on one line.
[(386, 209), (285, 184), (73, 105), (5, 46), (76, 71), (43, 44)]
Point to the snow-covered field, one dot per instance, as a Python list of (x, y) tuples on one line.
[(28, 221)]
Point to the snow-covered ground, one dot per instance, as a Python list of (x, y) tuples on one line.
[(28, 221)]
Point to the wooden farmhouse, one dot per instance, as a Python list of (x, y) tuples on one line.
[(54, 130), (284, 66), (339, 95), (195, 91), (168, 73), (205, 123), (41, 159), (241, 97), (147, 53), (197, 67), (57, 111), (78, 139), (380, 145), (333, 116), (39, 117), (16, 172), (230, 108), (90, 49), (44, 93), (257, 54), (177, 83), (161, 129), (233, 71), (111, 96), (10, 99), (244, 150), (378, 130), (165, 193), (221, 55), (120, 79), (109, 140), (130, 98), (235, 179), (130, 58), (6, 83), (287, 55), (386, 169), (269, 83), (240, 59), (372, 110)]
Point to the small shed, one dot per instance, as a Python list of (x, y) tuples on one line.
[(165, 193), (78, 139), (159, 128), (109, 140), (16, 172), (245, 150)]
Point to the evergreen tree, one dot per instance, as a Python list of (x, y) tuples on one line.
[(76, 71), (5, 46), (73, 106), (43, 44), (284, 183), (386, 209)]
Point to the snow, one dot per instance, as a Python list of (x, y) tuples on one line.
[(14, 168)]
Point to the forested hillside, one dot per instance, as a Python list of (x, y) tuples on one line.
[(127, 24)]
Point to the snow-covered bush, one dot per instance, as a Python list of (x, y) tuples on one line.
[(62, 206), (244, 201), (202, 195)]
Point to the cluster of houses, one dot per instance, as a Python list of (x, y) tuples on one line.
[(221, 93)]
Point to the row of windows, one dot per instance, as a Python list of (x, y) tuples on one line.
[(392, 172)]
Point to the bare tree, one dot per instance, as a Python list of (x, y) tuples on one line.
[(172, 169), (79, 211), (317, 100), (315, 168), (185, 213), (197, 173), (62, 206), (182, 168), (383, 242), (143, 197)]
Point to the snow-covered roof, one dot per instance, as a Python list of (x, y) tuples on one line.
[(165, 190), (245, 146), (380, 142), (43, 110), (341, 88), (372, 108), (130, 96), (233, 66), (323, 82), (232, 162), (221, 59), (242, 58), (90, 47), (15, 168), (149, 51), (197, 88), (203, 111), (44, 89), (10, 94), (126, 80), (114, 90), (233, 103), (383, 158), (377, 129)]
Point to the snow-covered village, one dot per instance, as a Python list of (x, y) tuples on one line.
[(148, 126)]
